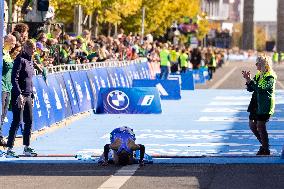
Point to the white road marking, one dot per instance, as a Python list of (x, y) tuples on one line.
[(217, 84), (120, 177), (233, 97), (229, 110), (232, 119), (243, 98), (225, 110), (228, 103)]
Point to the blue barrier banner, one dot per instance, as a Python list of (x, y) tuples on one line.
[(134, 71), (120, 74), (146, 69), (56, 98), (82, 90), (42, 113), (66, 103), (138, 68), (205, 73), (6, 125), (87, 92), (71, 93), (187, 81), (129, 74), (198, 76), (138, 100), (124, 71), (94, 87), (168, 89), (114, 80), (103, 77)]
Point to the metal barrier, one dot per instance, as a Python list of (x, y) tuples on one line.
[(88, 66)]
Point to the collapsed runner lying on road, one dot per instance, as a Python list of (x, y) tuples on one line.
[(123, 144)]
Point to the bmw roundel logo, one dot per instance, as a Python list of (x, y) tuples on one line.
[(118, 100)]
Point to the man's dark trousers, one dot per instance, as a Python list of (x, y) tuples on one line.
[(27, 118)]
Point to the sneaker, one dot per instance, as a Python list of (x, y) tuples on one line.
[(260, 151), (266, 152), (11, 154), (29, 152), (263, 152)]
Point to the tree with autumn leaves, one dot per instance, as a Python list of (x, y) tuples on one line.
[(126, 14)]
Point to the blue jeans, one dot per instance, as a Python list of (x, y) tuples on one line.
[(164, 72)]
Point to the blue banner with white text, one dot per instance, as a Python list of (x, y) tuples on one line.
[(82, 90), (169, 89), (71, 93), (138, 100)]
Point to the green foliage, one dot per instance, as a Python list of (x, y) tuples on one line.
[(160, 14), (260, 38)]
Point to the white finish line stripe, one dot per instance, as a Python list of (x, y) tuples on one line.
[(120, 177), (216, 85)]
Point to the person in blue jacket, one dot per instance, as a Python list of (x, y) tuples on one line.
[(123, 144)]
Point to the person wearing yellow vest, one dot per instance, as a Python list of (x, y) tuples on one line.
[(281, 58), (263, 85), (164, 62), (211, 64), (174, 57), (55, 34), (183, 61), (9, 43), (275, 57)]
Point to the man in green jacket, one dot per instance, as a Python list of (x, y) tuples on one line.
[(164, 62), (183, 61), (9, 43), (264, 87)]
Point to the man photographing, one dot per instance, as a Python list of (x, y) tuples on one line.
[(22, 98), (123, 144)]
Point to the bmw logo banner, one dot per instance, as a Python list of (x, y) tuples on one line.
[(137, 100)]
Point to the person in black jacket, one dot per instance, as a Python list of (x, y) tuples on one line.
[(252, 109), (195, 58), (22, 98)]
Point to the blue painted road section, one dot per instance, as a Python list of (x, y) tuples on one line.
[(202, 123)]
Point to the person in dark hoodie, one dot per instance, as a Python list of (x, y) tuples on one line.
[(22, 98)]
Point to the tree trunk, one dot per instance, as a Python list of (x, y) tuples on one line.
[(96, 23), (115, 30), (248, 25), (109, 30), (280, 26), (90, 21)]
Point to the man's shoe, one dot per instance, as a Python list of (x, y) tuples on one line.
[(11, 154), (28, 151), (263, 152), (266, 152), (260, 151)]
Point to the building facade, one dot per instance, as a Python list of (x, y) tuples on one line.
[(223, 10)]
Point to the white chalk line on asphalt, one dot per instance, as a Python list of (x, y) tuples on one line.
[(217, 84), (120, 177)]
